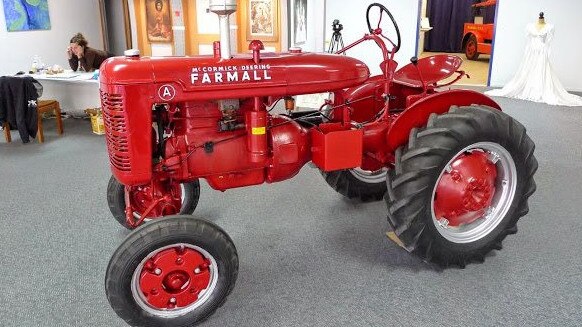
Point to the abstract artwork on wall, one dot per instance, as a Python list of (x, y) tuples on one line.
[(25, 15)]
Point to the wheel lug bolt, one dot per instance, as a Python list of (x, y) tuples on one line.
[(197, 270), (444, 223), (154, 291), (173, 300), (158, 271), (179, 261)]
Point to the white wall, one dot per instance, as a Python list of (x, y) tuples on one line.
[(67, 18), (352, 14), (315, 26), (510, 40)]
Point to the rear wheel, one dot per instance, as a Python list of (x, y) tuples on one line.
[(471, 48), (183, 199), (363, 185), (460, 185), (172, 272)]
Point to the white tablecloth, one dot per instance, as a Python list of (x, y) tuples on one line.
[(75, 91)]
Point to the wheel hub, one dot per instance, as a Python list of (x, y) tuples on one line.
[(176, 281), (466, 189), (471, 49), (474, 192), (174, 278)]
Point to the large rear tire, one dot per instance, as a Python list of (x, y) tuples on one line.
[(190, 194), (171, 272), (460, 185), (363, 185)]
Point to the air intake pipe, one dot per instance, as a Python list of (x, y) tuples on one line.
[(223, 8)]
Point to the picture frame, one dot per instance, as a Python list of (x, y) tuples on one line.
[(263, 21), (159, 21), (297, 22)]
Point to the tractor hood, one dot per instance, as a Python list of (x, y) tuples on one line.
[(208, 77)]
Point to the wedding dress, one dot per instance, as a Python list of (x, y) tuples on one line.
[(535, 79)]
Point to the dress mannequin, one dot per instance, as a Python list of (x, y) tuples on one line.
[(541, 22), (535, 79)]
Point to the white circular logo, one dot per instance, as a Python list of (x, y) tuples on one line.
[(166, 92)]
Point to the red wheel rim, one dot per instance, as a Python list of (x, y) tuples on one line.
[(174, 280), (466, 189), (474, 192), (142, 197), (471, 49)]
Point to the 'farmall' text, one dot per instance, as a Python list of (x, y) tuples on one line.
[(228, 74)]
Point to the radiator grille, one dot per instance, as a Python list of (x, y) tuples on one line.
[(114, 118)]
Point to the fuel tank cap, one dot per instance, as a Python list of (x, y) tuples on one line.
[(131, 53), (295, 50)]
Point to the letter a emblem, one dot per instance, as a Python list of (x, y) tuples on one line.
[(166, 92)]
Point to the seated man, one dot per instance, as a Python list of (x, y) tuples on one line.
[(83, 57)]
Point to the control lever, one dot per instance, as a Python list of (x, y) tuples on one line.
[(414, 61)]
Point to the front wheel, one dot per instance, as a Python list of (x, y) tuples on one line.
[(471, 48), (460, 185), (183, 199), (171, 272), (363, 185)]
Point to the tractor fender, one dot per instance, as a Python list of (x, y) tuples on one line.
[(439, 103)]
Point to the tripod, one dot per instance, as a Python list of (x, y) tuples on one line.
[(337, 42)]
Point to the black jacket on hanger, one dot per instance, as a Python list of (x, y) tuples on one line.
[(18, 97)]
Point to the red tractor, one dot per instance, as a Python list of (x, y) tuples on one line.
[(454, 170), (478, 37)]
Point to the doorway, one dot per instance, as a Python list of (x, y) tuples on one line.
[(115, 21), (464, 28)]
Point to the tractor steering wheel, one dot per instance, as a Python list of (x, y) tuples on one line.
[(378, 30)]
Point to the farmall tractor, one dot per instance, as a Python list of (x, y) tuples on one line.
[(454, 170), (478, 37)]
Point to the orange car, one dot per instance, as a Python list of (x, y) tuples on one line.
[(477, 38)]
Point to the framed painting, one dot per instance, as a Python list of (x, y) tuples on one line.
[(159, 20), (298, 22), (262, 20), (24, 15)]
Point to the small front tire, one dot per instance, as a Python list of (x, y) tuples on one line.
[(190, 194), (171, 272), (471, 48)]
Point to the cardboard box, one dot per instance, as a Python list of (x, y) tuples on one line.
[(97, 124)]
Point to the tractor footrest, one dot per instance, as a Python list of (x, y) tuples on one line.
[(334, 147)]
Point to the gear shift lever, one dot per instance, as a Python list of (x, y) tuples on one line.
[(414, 61)]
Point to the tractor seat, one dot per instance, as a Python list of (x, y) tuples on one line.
[(434, 69)]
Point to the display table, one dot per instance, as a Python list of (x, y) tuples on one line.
[(75, 91)]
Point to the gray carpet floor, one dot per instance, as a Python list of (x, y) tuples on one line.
[(307, 256)]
